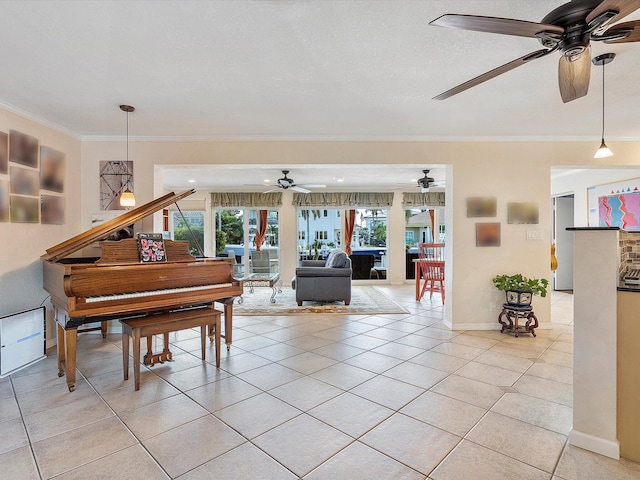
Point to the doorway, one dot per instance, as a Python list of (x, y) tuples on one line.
[(563, 217)]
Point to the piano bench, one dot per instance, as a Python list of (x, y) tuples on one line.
[(164, 323)]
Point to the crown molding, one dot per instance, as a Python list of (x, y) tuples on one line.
[(38, 119)]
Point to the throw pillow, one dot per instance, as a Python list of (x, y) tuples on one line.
[(330, 257), (339, 260)]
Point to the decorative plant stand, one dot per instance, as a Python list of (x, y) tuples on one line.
[(512, 314)]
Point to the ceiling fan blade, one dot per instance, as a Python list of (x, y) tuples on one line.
[(504, 26), (634, 36), (311, 185), (271, 190), (299, 189), (573, 77), (493, 73), (623, 7)]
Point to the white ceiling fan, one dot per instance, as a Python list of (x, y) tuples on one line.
[(426, 182)]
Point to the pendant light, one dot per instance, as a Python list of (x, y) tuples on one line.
[(127, 198), (602, 60)]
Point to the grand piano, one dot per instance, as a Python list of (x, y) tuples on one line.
[(117, 285)]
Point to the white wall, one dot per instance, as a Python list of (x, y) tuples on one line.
[(22, 244)]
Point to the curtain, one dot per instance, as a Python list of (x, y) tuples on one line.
[(429, 199), (433, 235), (262, 229), (343, 199), (350, 223), (246, 199)]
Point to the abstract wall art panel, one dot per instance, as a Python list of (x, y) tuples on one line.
[(51, 170), (23, 148)]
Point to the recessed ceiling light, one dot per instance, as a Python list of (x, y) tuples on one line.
[(413, 180), (192, 180), (266, 180), (339, 179)]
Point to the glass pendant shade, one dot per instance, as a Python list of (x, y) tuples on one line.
[(127, 199), (603, 151)]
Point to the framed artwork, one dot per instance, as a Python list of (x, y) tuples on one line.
[(481, 207), (24, 181), (615, 204), (51, 170), (523, 213), (488, 234), (52, 210), (4, 153), (24, 209), (4, 201), (115, 178), (23, 148)]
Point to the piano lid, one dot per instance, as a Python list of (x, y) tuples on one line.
[(102, 231)]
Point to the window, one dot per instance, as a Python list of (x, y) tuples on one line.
[(318, 232), (418, 229), (180, 231)]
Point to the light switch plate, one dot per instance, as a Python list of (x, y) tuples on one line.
[(535, 234)]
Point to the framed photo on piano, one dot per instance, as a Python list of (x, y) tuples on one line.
[(151, 248)]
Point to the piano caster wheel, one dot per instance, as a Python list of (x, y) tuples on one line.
[(60, 373), (104, 335), (228, 347), (72, 388)]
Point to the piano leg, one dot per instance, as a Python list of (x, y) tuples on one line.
[(103, 329), (125, 355), (228, 320), (70, 338), (60, 350)]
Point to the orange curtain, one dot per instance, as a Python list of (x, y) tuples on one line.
[(350, 223), (262, 229), (433, 234)]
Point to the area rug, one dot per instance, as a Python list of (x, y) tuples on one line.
[(364, 301)]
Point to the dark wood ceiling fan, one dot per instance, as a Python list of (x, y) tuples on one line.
[(568, 29)]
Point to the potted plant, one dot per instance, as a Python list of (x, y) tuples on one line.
[(519, 289)]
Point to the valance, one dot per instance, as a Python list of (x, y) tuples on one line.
[(343, 199), (245, 199), (428, 199)]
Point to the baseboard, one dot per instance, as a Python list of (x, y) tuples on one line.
[(599, 445), (474, 326)]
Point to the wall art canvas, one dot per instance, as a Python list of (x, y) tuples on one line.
[(115, 178), (523, 213), (25, 209), (51, 170), (24, 181), (52, 210), (481, 207), (615, 204), (23, 148), (4, 153), (488, 234), (4, 201)]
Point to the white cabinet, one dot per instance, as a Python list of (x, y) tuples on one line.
[(22, 340)]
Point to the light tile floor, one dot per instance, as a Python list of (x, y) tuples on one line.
[(314, 397)]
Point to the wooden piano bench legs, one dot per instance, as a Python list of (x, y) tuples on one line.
[(513, 314), (164, 323)]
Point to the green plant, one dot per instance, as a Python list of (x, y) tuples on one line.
[(538, 286)]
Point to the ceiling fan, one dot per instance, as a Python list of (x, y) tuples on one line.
[(288, 183), (426, 182), (568, 29)]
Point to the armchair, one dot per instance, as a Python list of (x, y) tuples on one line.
[(324, 280)]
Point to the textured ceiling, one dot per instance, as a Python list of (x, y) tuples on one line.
[(295, 69)]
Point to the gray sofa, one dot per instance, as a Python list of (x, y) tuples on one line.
[(324, 280)]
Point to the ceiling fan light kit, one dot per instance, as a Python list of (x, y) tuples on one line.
[(568, 29), (601, 60)]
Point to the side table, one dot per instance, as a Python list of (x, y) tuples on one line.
[(512, 314)]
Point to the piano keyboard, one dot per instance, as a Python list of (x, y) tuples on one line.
[(149, 293)]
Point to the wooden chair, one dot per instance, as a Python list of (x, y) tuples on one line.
[(431, 261)]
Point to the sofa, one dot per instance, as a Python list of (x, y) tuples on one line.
[(324, 280)]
